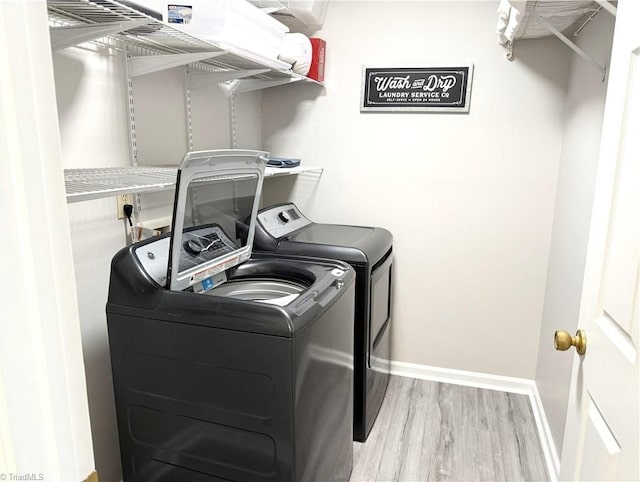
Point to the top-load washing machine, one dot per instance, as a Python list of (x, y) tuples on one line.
[(284, 230), (228, 366)]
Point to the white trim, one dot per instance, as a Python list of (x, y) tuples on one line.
[(523, 386), (544, 432), (462, 377), (45, 429)]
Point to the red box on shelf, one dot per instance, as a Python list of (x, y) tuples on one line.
[(318, 49)]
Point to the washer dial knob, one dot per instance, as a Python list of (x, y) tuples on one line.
[(284, 216), (193, 246)]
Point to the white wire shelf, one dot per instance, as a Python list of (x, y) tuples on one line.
[(287, 171), (98, 183), (143, 34), (567, 16), (564, 19)]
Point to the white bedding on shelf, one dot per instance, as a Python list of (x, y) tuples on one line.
[(518, 19)]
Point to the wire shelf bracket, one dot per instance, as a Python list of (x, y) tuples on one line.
[(147, 64), (597, 65), (70, 36), (608, 7), (241, 86), (200, 79)]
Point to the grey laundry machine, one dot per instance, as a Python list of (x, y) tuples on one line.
[(283, 229), (228, 365)]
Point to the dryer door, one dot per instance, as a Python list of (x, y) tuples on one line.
[(380, 316), (214, 214)]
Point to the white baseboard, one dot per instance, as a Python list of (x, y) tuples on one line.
[(522, 386), (544, 431)]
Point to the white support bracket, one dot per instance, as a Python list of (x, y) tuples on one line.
[(241, 86), (608, 7), (187, 103), (199, 79), (271, 10), (601, 68), (148, 64), (509, 50), (64, 37), (269, 6)]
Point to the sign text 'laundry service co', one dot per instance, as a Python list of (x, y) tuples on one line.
[(420, 89)]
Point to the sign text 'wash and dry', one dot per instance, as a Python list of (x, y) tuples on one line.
[(440, 89)]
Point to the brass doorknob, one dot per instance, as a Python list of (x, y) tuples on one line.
[(562, 340)]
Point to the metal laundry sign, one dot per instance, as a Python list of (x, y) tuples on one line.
[(421, 89)]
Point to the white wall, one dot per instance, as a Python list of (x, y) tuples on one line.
[(574, 197), (468, 197), (92, 115), (92, 107)]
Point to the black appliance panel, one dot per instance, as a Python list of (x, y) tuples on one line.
[(369, 251), (375, 384), (380, 301), (356, 245), (229, 389), (334, 234)]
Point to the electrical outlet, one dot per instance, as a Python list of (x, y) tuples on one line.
[(123, 199)]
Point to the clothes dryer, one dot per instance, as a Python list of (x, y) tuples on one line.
[(283, 230), (228, 365)]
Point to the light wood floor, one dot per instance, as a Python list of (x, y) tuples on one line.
[(435, 431)]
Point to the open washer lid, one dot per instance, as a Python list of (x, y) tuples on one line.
[(216, 193)]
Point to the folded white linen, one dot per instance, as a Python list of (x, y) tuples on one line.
[(503, 19), (503, 10), (515, 16), (501, 26)]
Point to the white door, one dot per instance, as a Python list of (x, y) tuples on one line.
[(601, 434)]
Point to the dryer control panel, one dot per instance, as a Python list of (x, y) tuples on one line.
[(282, 220)]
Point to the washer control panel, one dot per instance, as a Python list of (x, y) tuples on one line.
[(200, 244), (282, 220)]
